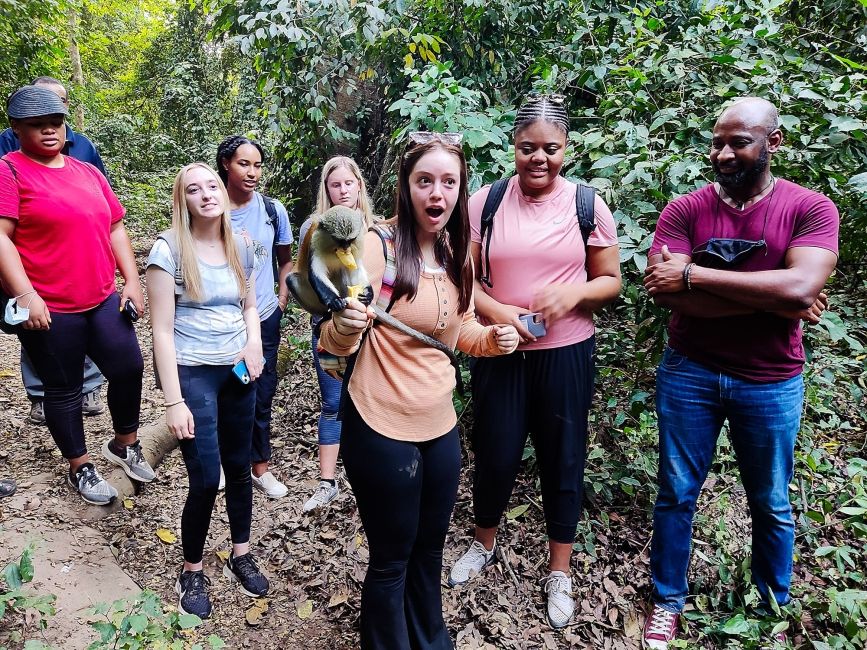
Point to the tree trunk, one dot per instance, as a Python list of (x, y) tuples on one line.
[(75, 60)]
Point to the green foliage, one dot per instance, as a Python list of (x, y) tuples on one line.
[(19, 609), (32, 42), (143, 622)]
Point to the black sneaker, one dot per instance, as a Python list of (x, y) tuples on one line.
[(192, 587), (244, 570)]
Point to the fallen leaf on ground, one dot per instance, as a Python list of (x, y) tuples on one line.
[(166, 535), (304, 609)]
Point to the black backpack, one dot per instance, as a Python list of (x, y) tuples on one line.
[(585, 196)]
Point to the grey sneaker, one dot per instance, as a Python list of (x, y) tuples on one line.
[(37, 412), (91, 486), (324, 494), (91, 403), (472, 563), (561, 606), (133, 462)]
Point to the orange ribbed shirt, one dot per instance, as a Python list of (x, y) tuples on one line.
[(403, 388)]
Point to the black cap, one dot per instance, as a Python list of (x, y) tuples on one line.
[(34, 101)]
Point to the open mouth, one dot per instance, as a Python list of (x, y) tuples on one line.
[(435, 212)]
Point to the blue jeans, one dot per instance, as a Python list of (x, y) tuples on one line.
[(692, 402), (329, 387), (222, 409)]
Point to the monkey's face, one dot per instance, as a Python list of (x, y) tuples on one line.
[(345, 228)]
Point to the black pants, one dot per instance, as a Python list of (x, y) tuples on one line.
[(266, 386), (547, 394), (108, 338), (222, 409), (405, 493)]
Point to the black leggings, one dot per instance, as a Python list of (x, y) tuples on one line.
[(547, 394), (405, 493), (222, 409), (108, 338)]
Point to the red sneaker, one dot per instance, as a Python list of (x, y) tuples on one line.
[(659, 628)]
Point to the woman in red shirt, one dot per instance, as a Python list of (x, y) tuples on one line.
[(61, 239)]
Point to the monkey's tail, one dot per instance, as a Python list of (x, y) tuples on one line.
[(384, 317)]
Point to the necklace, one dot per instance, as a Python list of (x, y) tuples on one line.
[(740, 204), (204, 243)]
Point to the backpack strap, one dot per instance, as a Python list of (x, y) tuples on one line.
[(585, 200), (171, 240), (273, 220), (492, 204), (386, 299)]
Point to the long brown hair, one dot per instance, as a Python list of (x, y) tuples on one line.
[(452, 250)]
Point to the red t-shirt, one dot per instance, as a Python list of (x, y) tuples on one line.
[(64, 217), (759, 347)]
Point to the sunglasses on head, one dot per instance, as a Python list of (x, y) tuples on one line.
[(424, 137)]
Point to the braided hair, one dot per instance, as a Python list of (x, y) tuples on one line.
[(226, 151), (550, 108)]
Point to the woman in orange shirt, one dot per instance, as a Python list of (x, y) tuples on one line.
[(400, 441)]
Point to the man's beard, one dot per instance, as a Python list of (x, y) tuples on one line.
[(743, 177)]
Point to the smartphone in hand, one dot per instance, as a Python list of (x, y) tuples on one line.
[(130, 311), (534, 324), (240, 371)]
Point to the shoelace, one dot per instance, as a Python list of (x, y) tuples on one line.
[(246, 566), (478, 552), (135, 450), (196, 583), (556, 583), (88, 476), (660, 621)]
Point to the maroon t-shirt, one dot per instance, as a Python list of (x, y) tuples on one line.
[(760, 347)]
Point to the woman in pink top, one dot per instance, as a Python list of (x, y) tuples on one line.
[(537, 264), (400, 441), (61, 240)]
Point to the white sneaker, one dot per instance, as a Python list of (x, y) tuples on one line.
[(325, 494), (561, 606), (472, 563), (222, 484), (269, 484)]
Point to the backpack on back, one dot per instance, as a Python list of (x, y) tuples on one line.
[(585, 197), (271, 210)]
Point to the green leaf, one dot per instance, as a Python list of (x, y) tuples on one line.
[(846, 123), (188, 621), (517, 511), (12, 576), (25, 566), (608, 161), (137, 623)]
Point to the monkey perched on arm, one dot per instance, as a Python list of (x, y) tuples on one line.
[(326, 266), (329, 269)]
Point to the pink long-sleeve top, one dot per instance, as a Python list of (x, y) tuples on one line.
[(401, 387)]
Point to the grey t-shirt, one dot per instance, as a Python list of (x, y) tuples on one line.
[(211, 332), (253, 219)]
